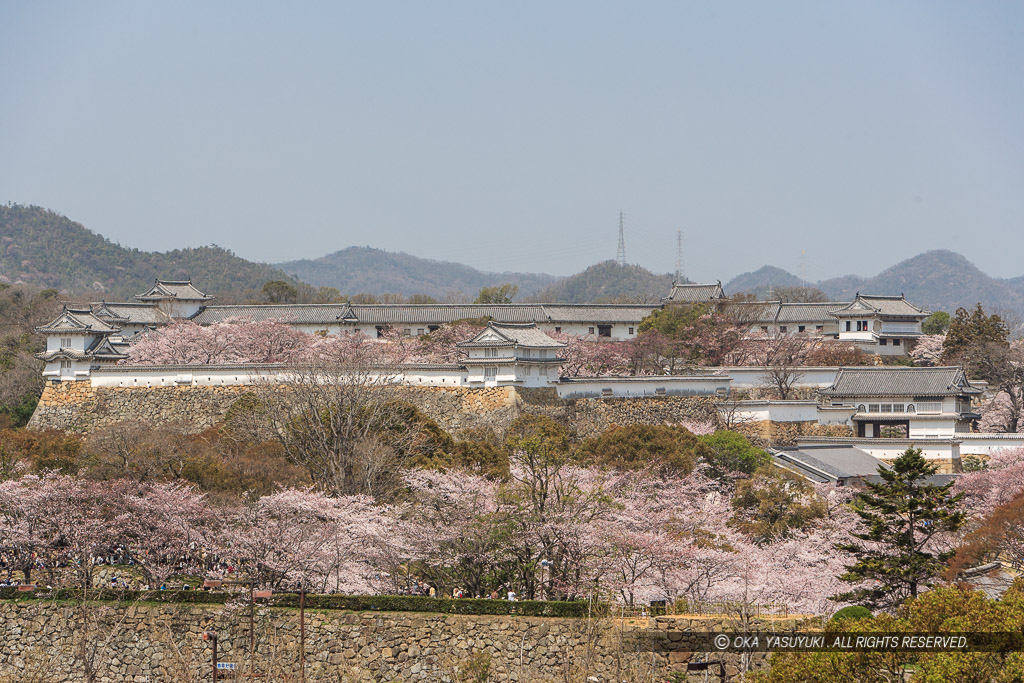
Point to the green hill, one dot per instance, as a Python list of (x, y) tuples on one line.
[(374, 271), (609, 282), (42, 247)]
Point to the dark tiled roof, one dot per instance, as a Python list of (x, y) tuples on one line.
[(293, 314), (900, 381), (881, 305), (75, 320), (503, 334), (130, 313), (754, 311), (589, 313), (695, 293), (829, 462), (812, 313), (173, 289), (439, 314)]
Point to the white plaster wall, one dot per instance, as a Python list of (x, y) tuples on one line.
[(625, 387)]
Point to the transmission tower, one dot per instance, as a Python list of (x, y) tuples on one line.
[(620, 255), (679, 256)]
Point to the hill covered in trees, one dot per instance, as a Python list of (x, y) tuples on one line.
[(42, 247), (939, 280), (375, 271), (609, 282)]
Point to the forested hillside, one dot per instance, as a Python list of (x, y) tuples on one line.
[(374, 271), (44, 248), (939, 280), (609, 282)]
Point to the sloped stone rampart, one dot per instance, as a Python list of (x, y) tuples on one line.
[(148, 642), (591, 416), (79, 407)]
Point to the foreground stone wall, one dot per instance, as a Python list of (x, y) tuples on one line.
[(57, 643)]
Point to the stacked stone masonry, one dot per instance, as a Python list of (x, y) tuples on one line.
[(145, 642)]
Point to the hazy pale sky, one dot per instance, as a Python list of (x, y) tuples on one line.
[(509, 135)]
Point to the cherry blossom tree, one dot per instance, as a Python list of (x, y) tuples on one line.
[(928, 349), (994, 485)]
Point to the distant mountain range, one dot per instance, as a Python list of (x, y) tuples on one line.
[(44, 248), (358, 270), (938, 280)]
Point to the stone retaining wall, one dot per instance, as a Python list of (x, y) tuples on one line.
[(146, 642)]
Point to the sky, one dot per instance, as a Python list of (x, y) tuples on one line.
[(824, 138)]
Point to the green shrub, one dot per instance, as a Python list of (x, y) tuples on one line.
[(852, 612)]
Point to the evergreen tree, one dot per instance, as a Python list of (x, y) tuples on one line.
[(972, 329), (901, 514)]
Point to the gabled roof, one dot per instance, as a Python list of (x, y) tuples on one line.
[(130, 313), (173, 289), (292, 314), (504, 334), (103, 348), (880, 305), (75, 320), (695, 293), (900, 381)]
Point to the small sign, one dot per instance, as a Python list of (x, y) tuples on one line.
[(230, 666), (262, 594), (212, 583), (26, 588)]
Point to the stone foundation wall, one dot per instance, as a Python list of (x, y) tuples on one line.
[(146, 642), (591, 416), (766, 433), (79, 407)]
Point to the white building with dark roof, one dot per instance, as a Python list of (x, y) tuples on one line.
[(900, 402), (176, 298), (885, 325), (694, 293), (76, 340), (504, 353)]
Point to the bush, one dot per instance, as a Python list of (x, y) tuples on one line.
[(672, 450), (732, 452), (852, 612)]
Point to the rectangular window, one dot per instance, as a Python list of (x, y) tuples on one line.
[(606, 392), (604, 330), (490, 353), (558, 330), (801, 328), (866, 328), (873, 408), (406, 332), (631, 330), (65, 342), (380, 331), (65, 365), (929, 407), (526, 370), (591, 331), (764, 328), (886, 407), (895, 342), (433, 328), (659, 391), (543, 372), (490, 373), (819, 328), (783, 329), (897, 407), (419, 331), (883, 342)]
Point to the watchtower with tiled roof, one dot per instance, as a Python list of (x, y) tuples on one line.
[(75, 339), (505, 353), (888, 324), (176, 298)]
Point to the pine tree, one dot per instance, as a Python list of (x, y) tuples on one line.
[(901, 514)]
